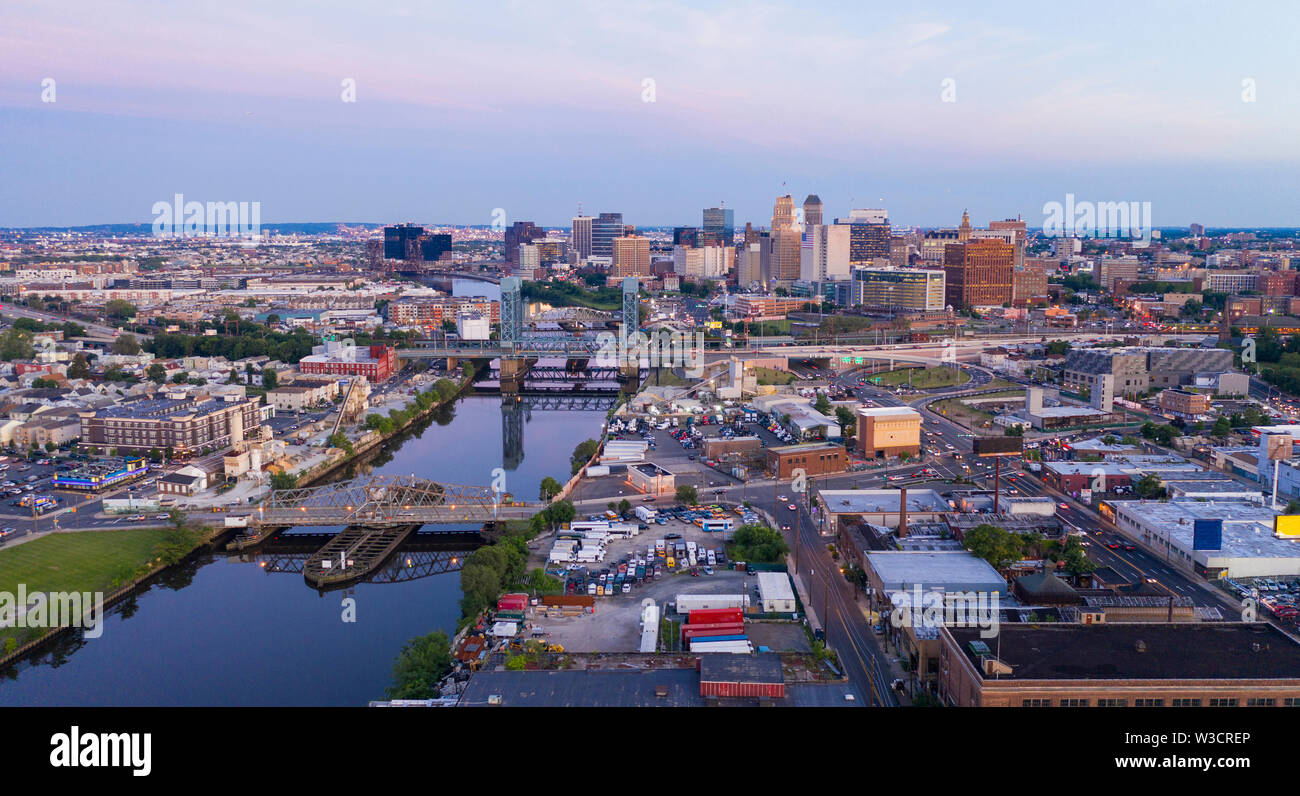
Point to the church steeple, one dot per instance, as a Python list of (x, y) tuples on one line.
[(963, 232)]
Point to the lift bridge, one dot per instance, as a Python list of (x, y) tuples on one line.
[(379, 512)]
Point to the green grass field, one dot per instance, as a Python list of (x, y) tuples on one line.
[(771, 376), (83, 561), (969, 416), (924, 378)]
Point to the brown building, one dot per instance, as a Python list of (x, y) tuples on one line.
[(1277, 283), (978, 272), (888, 431), (1028, 287), (1183, 403), (1183, 664), (813, 458), (631, 256), (185, 426)]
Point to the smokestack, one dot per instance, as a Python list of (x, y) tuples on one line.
[(902, 512)]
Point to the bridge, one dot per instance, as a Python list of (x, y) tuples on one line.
[(386, 501)]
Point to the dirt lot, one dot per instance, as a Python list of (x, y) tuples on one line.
[(616, 625)]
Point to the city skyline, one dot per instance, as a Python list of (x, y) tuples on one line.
[(533, 111)]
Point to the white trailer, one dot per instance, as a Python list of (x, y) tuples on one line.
[(645, 513), (700, 602)]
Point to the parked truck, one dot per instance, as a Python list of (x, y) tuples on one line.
[(645, 513)]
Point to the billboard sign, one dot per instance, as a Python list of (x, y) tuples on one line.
[(1279, 447), (1208, 534), (998, 446)]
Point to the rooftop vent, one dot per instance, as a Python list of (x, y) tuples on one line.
[(1140, 646)]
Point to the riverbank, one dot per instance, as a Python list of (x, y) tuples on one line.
[(97, 561)]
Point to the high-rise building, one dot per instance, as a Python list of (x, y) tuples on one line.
[(825, 252), (812, 211), (1197, 230), (899, 289), (432, 247), (631, 255), (686, 236), (721, 222), (787, 242), (749, 265), (518, 233), (398, 238), (604, 229), (580, 236), (979, 273), (1018, 228), (703, 262)]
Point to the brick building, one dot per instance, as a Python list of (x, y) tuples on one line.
[(813, 458), (376, 362), (979, 272), (888, 431)]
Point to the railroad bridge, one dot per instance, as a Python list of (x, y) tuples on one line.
[(379, 512)]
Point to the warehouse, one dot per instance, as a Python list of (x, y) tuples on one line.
[(775, 594)]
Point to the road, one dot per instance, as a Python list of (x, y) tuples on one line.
[(11, 311)]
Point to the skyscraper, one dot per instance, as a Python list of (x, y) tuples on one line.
[(604, 229), (397, 239), (520, 232), (631, 256), (580, 236), (787, 240), (812, 211), (979, 272), (963, 231), (720, 222)]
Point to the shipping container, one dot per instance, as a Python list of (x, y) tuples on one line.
[(706, 615), (726, 628), (739, 647), (705, 639), (686, 603)]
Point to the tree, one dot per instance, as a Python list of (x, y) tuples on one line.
[(994, 545), (823, 404), (283, 480), (1149, 486), (848, 423), (550, 488), (624, 506), (126, 344), (1221, 427), (269, 380), (340, 440), (686, 494), (758, 543), (422, 663), (582, 453), (16, 344), (157, 373), (117, 309), (79, 368)]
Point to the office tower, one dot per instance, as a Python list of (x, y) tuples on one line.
[(963, 231), (720, 222), (787, 242), (1019, 230), (397, 240), (812, 211), (433, 246), (825, 253), (869, 235), (934, 243), (751, 234), (686, 236), (899, 252), (749, 265), (604, 229), (580, 236), (518, 233), (631, 255), (898, 289), (979, 273), (1197, 230), (703, 262)]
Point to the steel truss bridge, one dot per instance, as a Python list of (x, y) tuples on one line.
[(378, 501)]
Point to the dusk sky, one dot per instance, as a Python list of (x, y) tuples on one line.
[(535, 107)]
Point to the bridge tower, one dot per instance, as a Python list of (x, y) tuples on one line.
[(512, 333), (629, 369)]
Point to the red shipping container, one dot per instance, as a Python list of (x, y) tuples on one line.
[(706, 615), (716, 629)]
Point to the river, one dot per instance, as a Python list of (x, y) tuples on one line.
[(222, 631)]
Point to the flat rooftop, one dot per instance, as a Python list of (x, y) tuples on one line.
[(1247, 526), (947, 570), (882, 501), (580, 688), (1176, 651)]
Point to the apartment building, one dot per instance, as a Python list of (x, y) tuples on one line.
[(185, 425)]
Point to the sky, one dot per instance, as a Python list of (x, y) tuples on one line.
[(654, 109)]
